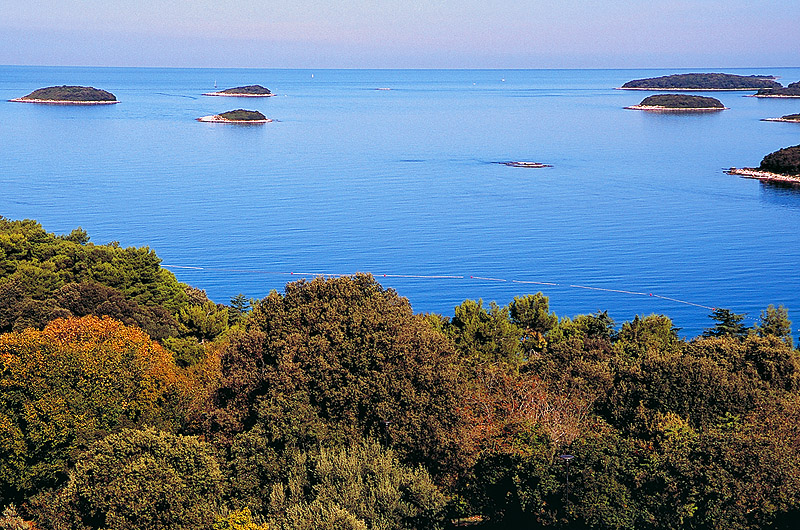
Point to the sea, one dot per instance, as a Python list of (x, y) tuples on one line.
[(399, 173)]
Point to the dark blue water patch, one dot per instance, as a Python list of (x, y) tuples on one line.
[(406, 185)]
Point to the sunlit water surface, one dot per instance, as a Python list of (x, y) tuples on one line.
[(405, 182)]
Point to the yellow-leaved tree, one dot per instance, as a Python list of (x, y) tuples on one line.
[(72, 383)]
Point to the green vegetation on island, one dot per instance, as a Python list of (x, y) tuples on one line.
[(333, 405), (699, 81), (681, 101), (243, 91), (70, 93), (249, 89), (791, 117), (784, 161), (792, 90), (242, 115)]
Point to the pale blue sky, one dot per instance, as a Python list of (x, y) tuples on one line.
[(402, 34)]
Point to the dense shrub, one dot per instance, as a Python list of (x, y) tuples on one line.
[(138, 479), (681, 101), (786, 160), (792, 90), (37, 269), (249, 89), (363, 486), (243, 115), (71, 93), (70, 384), (334, 361)]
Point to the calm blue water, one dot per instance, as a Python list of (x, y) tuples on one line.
[(404, 182)]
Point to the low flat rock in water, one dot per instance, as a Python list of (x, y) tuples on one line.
[(791, 118), (533, 165)]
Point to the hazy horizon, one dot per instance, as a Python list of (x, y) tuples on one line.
[(390, 34)]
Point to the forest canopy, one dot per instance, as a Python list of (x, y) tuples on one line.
[(792, 90), (333, 405)]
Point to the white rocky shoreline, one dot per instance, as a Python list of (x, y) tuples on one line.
[(237, 94), (61, 101), (659, 108), (760, 174), (655, 89), (216, 118)]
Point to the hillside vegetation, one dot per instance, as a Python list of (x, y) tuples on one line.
[(71, 93), (333, 405), (681, 101), (792, 90), (713, 81), (243, 115), (785, 161), (249, 89)]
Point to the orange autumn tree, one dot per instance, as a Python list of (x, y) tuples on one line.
[(71, 384)]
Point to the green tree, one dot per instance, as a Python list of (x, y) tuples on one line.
[(485, 336), (239, 520), (728, 324), (364, 484), (775, 321), (239, 307), (203, 322), (337, 360), (35, 264), (138, 479), (75, 381), (532, 314)]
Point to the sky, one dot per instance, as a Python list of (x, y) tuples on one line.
[(401, 33)]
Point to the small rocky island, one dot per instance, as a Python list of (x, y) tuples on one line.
[(69, 95), (249, 91), (678, 102), (781, 166), (712, 81), (791, 118), (237, 116), (791, 91), (529, 165)]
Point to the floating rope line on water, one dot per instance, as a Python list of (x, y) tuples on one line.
[(445, 277)]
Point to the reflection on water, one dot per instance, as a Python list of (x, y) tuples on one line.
[(783, 194)]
